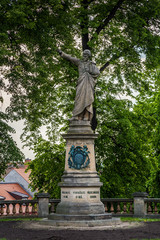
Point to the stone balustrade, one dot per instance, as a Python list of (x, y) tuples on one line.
[(153, 206), (138, 206), (119, 207), (18, 208), (53, 205)]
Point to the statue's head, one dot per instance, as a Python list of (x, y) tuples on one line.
[(86, 54)]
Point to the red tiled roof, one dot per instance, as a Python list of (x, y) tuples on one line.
[(5, 188), (20, 169)]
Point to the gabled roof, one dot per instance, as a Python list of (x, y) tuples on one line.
[(7, 188), (21, 171), (21, 168)]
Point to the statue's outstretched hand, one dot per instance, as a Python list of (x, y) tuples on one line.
[(59, 51)]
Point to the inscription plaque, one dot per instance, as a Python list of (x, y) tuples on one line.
[(80, 192), (93, 192), (65, 196), (63, 192), (79, 196), (93, 196)]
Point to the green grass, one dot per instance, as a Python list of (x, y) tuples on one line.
[(123, 219), (132, 219), (18, 219), (143, 239), (4, 239)]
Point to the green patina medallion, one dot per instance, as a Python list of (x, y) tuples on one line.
[(78, 157)]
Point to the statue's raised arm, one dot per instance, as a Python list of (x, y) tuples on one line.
[(68, 57), (88, 72)]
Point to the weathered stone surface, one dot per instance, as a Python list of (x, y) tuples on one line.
[(80, 218), (76, 179), (140, 207), (80, 134), (86, 220), (80, 188), (80, 194), (80, 208), (81, 223), (79, 127), (88, 72), (43, 202), (140, 194)]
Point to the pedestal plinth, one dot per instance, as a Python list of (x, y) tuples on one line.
[(80, 184)]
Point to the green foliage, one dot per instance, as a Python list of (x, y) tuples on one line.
[(124, 39), (47, 167), (9, 154), (148, 112), (120, 150), (31, 32)]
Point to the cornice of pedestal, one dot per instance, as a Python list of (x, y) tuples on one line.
[(81, 185), (80, 136), (80, 172), (80, 130)]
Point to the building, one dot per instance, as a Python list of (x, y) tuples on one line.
[(15, 185)]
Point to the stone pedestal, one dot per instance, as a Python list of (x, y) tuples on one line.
[(80, 184), (43, 202), (140, 207)]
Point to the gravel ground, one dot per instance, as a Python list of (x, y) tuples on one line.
[(32, 230)]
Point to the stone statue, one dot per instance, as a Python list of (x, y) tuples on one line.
[(88, 72)]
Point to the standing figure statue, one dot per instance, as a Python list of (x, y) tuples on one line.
[(88, 72)]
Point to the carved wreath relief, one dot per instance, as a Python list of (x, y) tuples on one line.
[(78, 157)]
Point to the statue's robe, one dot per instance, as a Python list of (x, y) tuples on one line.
[(88, 72)]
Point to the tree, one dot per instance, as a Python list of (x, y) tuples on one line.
[(42, 85), (9, 154), (121, 152), (47, 167), (148, 110), (116, 31)]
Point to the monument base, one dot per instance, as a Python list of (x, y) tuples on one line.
[(90, 217), (80, 208), (92, 220), (80, 184)]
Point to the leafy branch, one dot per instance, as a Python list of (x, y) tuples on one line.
[(108, 18)]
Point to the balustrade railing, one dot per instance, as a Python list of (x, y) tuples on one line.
[(118, 206), (153, 206), (18, 208), (115, 206), (53, 205)]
